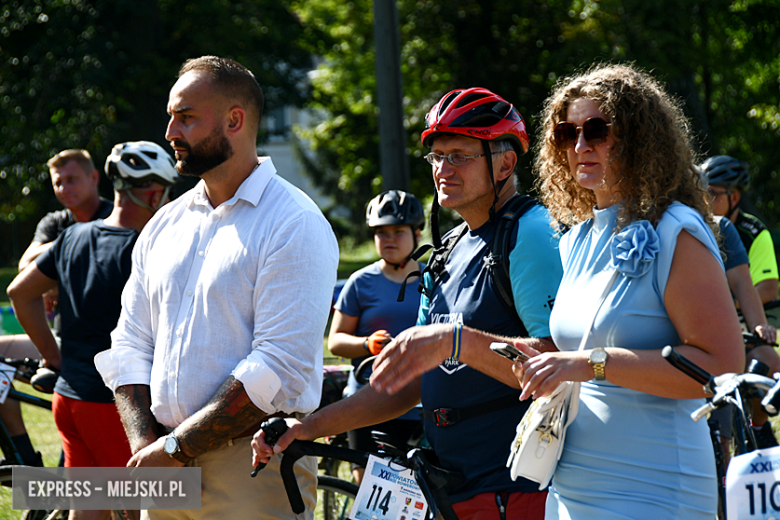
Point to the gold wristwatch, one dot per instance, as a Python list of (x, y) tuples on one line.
[(598, 360)]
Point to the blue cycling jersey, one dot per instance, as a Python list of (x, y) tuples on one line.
[(478, 447)]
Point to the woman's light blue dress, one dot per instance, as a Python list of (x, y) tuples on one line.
[(628, 454)]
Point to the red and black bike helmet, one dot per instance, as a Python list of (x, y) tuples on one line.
[(477, 113)]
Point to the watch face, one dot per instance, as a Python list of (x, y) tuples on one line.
[(598, 356), (171, 445)]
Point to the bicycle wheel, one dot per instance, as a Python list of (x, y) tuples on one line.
[(5, 481), (334, 497), (44, 515), (5, 476), (335, 468)]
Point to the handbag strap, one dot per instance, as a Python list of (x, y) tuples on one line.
[(596, 311)]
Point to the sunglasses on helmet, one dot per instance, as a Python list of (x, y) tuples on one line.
[(595, 130)]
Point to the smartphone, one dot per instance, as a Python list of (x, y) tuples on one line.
[(509, 351)]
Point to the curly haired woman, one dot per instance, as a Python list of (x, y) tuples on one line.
[(615, 161)]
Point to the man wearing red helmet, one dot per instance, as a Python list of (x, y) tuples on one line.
[(469, 398)]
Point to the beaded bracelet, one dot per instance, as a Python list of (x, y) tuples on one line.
[(456, 333)]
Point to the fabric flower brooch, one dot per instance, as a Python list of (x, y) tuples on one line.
[(634, 248)]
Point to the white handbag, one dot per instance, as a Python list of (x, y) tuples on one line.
[(538, 444)]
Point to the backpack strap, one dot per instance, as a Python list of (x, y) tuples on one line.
[(498, 260), (436, 263), (439, 259)]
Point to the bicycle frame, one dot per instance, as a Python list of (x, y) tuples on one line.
[(6, 444), (744, 438), (733, 389)]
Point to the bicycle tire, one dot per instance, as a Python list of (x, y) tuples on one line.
[(336, 468), (334, 497), (333, 467), (40, 514), (6, 475)]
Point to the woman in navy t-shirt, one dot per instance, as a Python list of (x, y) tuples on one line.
[(368, 315)]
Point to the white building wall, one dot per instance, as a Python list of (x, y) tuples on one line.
[(279, 148)]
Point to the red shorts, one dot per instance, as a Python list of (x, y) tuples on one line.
[(92, 433), (519, 506)]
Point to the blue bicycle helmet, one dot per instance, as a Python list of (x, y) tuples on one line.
[(726, 171)]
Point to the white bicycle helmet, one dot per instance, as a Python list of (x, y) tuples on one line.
[(136, 164)]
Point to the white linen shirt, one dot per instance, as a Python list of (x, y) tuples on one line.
[(244, 289)]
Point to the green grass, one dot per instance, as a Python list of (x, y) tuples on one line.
[(40, 423), (44, 436)]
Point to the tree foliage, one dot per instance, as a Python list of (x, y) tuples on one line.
[(721, 56), (91, 73)]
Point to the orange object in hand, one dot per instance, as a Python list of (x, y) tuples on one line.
[(377, 341)]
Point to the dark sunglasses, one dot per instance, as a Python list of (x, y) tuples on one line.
[(595, 130)]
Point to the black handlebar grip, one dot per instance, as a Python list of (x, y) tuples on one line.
[(273, 428), (687, 367)]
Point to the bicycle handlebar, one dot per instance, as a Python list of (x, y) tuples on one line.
[(273, 430), (689, 368), (703, 410), (22, 363), (723, 386), (751, 338), (433, 480), (360, 371), (32, 372)]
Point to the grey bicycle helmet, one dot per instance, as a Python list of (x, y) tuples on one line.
[(726, 171), (136, 164), (395, 207)]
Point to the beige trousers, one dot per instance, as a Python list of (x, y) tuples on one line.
[(230, 492)]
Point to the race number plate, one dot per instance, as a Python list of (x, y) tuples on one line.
[(753, 486), (388, 493), (7, 373)]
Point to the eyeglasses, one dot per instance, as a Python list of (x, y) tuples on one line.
[(714, 194), (455, 159), (595, 130)]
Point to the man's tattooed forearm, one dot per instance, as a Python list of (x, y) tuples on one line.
[(134, 405), (229, 413)]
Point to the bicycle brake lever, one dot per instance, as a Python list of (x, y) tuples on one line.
[(273, 429), (771, 400)]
